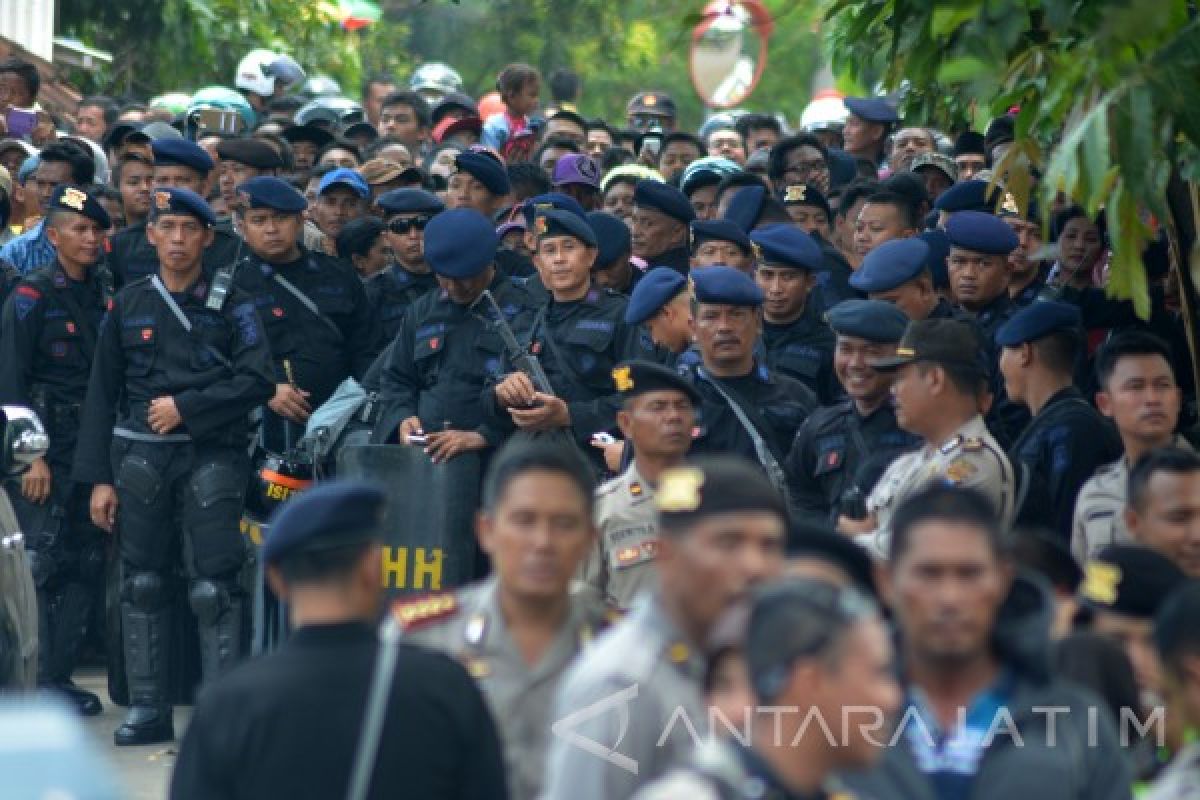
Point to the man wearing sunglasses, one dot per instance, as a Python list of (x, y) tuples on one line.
[(406, 212)]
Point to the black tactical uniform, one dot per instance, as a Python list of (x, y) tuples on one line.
[(317, 348), (803, 350), (444, 355), (1006, 419), (47, 341), (193, 476), (677, 258), (838, 455), (131, 257), (1060, 449), (8, 279), (392, 291), (578, 344)]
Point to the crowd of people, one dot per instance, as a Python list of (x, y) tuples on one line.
[(778, 423)]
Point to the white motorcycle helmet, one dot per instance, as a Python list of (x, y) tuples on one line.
[(826, 112), (259, 70)]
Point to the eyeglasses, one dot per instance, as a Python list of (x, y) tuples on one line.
[(806, 167), (403, 225)]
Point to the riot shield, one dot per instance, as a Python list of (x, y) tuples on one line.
[(18, 606), (429, 540)]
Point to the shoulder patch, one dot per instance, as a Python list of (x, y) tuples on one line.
[(414, 614)]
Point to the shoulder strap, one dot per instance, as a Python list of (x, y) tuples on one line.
[(564, 364), (184, 321), (308, 304), (765, 457)]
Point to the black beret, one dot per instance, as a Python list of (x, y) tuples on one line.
[(745, 207), (553, 222), (251, 152), (612, 237), (460, 243), (307, 133), (800, 194), (705, 486), (169, 201), (1129, 579), (722, 230), (74, 199), (548, 201), (328, 516), (633, 378), (183, 152), (665, 199), (410, 201), (969, 142)]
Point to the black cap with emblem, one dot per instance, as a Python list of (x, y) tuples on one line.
[(949, 342), (710, 485), (77, 201), (634, 378)]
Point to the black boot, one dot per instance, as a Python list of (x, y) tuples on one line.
[(146, 622), (218, 613)]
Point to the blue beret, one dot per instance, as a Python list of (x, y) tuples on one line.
[(891, 264), (182, 201), (723, 230), (460, 243), (981, 232), (74, 199), (872, 109), (485, 169), (410, 201), (330, 515), (612, 237), (656, 288), (873, 320), (545, 202), (267, 191), (969, 195), (745, 207), (344, 176), (553, 222), (785, 245), (664, 198), (843, 168), (939, 251), (725, 286), (633, 378), (1038, 319), (182, 152)]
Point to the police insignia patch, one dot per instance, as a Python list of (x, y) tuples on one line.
[(540, 227), (1100, 582), (635, 489), (162, 200), (147, 334), (679, 489), (960, 470), (73, 198), (622, 378), (413, 614), (795, 193)]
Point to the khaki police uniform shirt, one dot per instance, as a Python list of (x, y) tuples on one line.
[(969, 458), (520, 696), (1100, 509), (1181, 778), (629, 710), (622, 564)]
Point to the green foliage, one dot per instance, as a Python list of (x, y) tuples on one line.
[(1107, 91)]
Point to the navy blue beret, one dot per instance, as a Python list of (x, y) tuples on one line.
[(873, 320), (549, 200), (251, 152), (725, 286), (656, 288), (182, 201), (633, 378), (939, 251), (722, 230), (460, 243), (662, 197), (328, 516), (745, 207), (267, 191), (843, 169), (785, 245), (891, 264), (872, 109), (182, 152), (553, 222), (612, 237), (1038, 319), (981, 232), (410, 201), (969, 195), (485, 169), (76, 200)]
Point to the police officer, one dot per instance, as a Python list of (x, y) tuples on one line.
[(288, 724), (798, 629), (518, 631), (661, 216), (662, 303), (899, 272), (868, 125), (178, 368), (390, 292), (313, 307), (980, 244), (479, 182), (579, 336), (614, 249), (47, 341), (656, 421), (841, 449), (746, 408), (797, 341), (936, 393), (182, 164), (720, 241), (722, 530), (1067, 440), (448, 347)]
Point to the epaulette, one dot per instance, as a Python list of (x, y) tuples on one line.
[(972, 444), (414, 614)]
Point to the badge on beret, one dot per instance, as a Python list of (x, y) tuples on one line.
[(73, 198), (162, 200), (1009, 206), (623, 379), (758, 256), (679, 489), (650, 100), (540, 226), (795, 194), (1100, 582)]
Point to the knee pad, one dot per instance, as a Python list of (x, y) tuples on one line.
[(146, 591), (208, 600)]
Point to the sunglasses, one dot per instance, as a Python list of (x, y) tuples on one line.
[(403, 225)]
